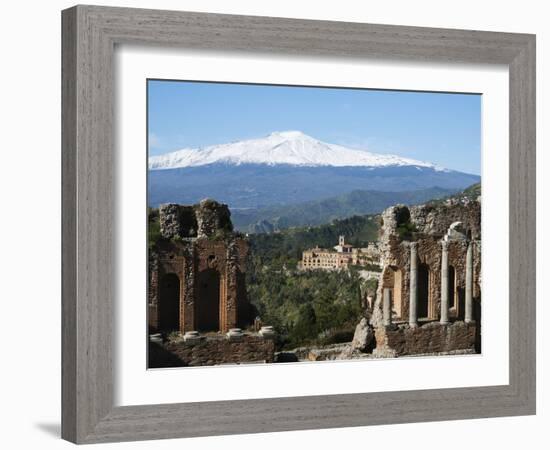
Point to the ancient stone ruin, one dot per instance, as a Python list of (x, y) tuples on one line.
[(429, 293), (197, 299), (196, 271)]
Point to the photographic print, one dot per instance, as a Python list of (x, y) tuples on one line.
[(288, 223)]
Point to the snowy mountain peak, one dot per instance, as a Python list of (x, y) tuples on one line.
[(281, 147), (291, 134)]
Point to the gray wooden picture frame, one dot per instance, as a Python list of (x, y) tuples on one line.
[(90, 34)]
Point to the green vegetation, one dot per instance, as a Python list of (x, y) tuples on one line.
[(406, 229), (153, 227), (471, 193), (313, 307), (304, 307)]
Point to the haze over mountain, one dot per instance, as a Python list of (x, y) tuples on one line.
[(287, 168)]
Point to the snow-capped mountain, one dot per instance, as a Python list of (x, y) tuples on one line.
[(285, 147), (287, 168)]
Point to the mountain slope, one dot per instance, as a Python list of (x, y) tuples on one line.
[(256, 186), (318, 212), (286, 168)]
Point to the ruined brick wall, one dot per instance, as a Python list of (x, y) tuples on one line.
[(166, 257), (228, 258), (152, 291), (426, 226), (189, 260), (212, 351), (431, 224), (197, 241)]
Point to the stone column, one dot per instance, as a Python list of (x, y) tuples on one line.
[(413, 298), (444, 283), (468, 313), (387, 307)]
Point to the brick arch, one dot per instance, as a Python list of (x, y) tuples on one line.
[(169, 302), (207, 308)]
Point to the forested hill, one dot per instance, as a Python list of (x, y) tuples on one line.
[(317, 212), (471, 193), (285, 247), (313, 307)]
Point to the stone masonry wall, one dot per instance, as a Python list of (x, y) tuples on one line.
[(431, 224), (429, 254), (428, 338), (177, 221), (435, 220), (204, 219), (459, 224), (213, 350)]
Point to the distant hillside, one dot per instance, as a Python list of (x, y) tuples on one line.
[(317, 212), (285, 247), (471, 193), (259, 186)]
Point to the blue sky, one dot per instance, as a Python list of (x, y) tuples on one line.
[(441, 128)]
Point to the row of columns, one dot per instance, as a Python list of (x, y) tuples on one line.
[(413, 299)]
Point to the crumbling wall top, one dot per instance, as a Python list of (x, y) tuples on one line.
[(204, 219), (212, 217), (404, 223), (177, 221), (436, 220)]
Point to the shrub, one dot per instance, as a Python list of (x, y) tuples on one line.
[(405, 230)]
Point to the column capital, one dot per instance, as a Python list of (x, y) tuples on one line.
[(413, 245), (444, 245)]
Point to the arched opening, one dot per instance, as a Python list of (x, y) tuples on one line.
[(461, 297), (169, 303), (396, 291), (245, 312), (452, 287), (208, 301), (423, 291)]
